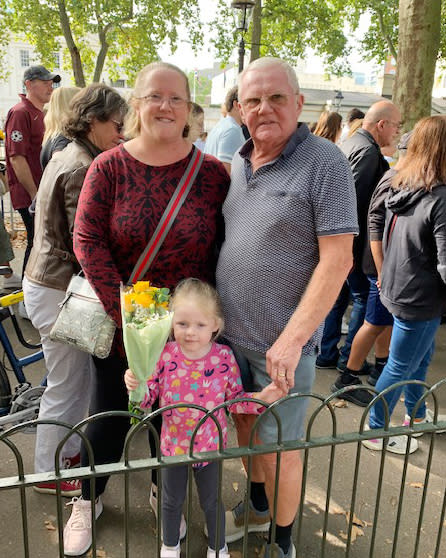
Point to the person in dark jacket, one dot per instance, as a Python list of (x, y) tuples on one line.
[(413, 276), (380, 128), (378, 321)]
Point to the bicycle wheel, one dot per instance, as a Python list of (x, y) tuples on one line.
[(5, 391)]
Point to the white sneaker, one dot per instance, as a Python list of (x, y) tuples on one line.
[(396, 444), (428, 419), (222, 554), (12, 282), (170, 551), (77, 536), (153, 499)]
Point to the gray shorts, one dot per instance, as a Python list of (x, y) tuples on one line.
[(292, 413)]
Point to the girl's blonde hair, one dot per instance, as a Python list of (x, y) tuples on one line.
[(206, 296), (57, 109), (425, 162), (133, 122)]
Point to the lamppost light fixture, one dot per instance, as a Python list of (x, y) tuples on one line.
[(245, 7), (338, 99)]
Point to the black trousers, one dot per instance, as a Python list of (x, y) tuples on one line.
[(107, 435)]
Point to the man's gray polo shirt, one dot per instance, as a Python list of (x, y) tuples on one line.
[(273, 219), (225, 138)]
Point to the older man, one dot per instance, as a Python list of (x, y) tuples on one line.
[(24, 133), (290, 219), (380, 128)]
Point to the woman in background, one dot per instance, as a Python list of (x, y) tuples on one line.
[(413, 275), (93, 125), (54, 138), (329, 126)]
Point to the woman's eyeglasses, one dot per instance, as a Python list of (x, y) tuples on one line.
[(119, 125), (157, 100)]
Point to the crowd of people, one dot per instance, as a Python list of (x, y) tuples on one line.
[(282, 229)]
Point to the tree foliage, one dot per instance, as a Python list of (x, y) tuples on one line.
[(127, 33), (288, 28), (203, 86)]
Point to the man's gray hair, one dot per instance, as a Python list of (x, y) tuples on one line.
[(267, 62)]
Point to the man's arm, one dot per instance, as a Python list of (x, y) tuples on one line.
[(335, 261), (23, 174)]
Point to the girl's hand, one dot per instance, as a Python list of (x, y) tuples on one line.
[(131, 382), (271, 393)]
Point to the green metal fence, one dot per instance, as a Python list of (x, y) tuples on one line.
[(354, 502)]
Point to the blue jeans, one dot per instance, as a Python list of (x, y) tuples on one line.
[(411, 350), (357, 285)]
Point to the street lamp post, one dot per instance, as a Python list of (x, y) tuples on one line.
[(245, 8), (338, 100)]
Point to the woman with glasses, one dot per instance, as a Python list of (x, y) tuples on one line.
[(123, 199), (90, 124)]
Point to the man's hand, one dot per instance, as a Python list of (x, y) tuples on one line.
[(282, 360)]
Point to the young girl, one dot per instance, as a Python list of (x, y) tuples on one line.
[(195, 369)]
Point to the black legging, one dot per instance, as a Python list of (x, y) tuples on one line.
[(107, 436), (28, 221)]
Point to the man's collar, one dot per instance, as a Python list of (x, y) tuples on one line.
[(298, 136), (28, 103), (368, 135)]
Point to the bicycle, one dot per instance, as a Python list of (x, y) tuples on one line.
[(23, 404)]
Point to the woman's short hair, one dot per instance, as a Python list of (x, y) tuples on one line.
[(58, 108), (133, 123), (97, 101), (425, 161), (328, 125)]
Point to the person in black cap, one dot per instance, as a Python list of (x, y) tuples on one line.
[(24, 133)]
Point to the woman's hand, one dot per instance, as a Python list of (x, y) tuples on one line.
[(272, 392), (131, 382)]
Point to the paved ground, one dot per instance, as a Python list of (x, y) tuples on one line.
[(42, 511)]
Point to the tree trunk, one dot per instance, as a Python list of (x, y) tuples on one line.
[(418, 44), (76, 62), (256, 34), (102, 54)]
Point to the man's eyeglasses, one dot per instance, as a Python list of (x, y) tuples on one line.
[(397, 125), (119, 125), (157, 100), (276, 100)]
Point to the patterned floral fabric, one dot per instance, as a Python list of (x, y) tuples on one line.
[(121, 203), (207, 382)]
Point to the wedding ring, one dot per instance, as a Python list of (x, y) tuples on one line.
[(282, 375)]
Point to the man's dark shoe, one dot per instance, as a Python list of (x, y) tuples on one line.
[(361, 397), (373, 377), (326, 364), (366, 368)]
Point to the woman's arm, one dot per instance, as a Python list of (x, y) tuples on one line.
[(91, 237)]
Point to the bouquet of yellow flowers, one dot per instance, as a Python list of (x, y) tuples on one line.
[(146, 324)]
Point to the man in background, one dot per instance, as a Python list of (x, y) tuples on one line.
[(226, 137), (24, 133)]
